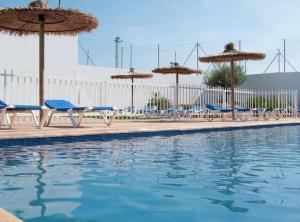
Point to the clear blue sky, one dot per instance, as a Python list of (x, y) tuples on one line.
[(178, 24)]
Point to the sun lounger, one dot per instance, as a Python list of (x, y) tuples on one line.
[(213, 111), (240, 108), (150, 111), (257, 113), (242, 112), (173, 112), (63, 106), (195, 111), (128, 110), (21, 109), (263, 113)]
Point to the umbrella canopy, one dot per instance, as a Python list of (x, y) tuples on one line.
[(176, 69), (38, 18), (230, 54), (132, 75), (58, 21)]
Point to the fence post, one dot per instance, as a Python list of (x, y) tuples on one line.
[(224, 97), (105, 87), (296, 102), (4, 85)]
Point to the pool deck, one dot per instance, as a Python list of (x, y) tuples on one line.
[(135, 126), (7, 217)]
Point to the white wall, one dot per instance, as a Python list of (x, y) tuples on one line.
[(288, 80), (21, 53)]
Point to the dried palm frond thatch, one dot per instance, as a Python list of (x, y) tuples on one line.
[(230, 53), (132, 75), (175, 68), (58, 21)]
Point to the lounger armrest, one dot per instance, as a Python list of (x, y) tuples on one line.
[(88, 108), (10, 107)]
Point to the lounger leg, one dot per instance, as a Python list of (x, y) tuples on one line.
[(7, 119), (44, 119), (36, 122), (2, 116), (13, 120), (107, 121), (72, 118), (81, 115), (50, 118)]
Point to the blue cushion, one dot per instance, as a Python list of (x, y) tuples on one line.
[(225, 110), (2, 104), (241, 108), (62, 105), (213, 107), (59, 104), (195, 108), (25, 107), (20, 107), (218, 108), (104, 108)]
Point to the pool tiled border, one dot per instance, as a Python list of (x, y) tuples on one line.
[(104, 137)]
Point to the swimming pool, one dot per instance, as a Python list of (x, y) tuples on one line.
[(239, 175)]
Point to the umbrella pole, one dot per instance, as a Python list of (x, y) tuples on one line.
[(232, 88), (177, 82), (41, 61), (131, 95)]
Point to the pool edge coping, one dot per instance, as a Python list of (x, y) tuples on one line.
[(6, 216), (123, 135)]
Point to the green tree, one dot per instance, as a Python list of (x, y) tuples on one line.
[(220, 76), (160, 102)]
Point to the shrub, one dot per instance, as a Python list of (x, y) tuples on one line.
[(219, 76), (160, 102)]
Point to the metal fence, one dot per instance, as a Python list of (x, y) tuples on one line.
[(23, 89)]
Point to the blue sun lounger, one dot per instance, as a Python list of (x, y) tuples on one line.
[(240, 108), (63, 106), (150, 111), (20, 109), (173, 112), (212, 111), (195, 110)]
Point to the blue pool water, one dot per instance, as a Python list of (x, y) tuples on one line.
[(241, 175)]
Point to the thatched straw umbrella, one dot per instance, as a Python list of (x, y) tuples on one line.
[(38, 18), (176, 69), (132, 75), (230, 54)]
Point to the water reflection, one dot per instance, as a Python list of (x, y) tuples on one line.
[(225, 156), (40, 187)]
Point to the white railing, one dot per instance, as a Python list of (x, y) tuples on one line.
[(23, 89)]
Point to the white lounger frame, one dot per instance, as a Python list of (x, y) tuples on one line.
[(11, 120), (76, 123)]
